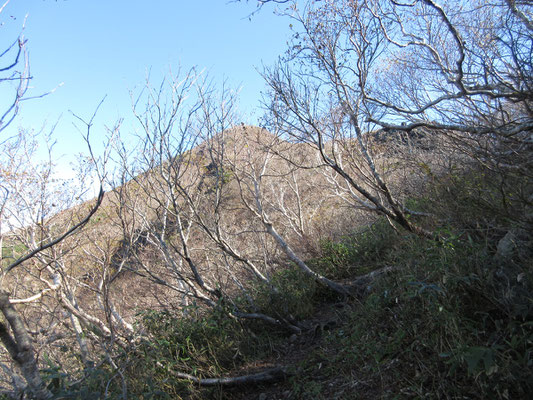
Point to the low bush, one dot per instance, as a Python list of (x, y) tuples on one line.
[(291, 294), (357, 253), (439, 327), (201, 343)]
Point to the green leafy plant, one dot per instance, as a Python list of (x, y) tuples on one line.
[(290, 294), (357, 253)]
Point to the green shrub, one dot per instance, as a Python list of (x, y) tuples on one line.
[(484, 202), (90, 383), (358, 253), (206, 343), (440, 326), (203, 343), (290, 294)]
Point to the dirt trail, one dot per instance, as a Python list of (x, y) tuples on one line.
[(293, 355)]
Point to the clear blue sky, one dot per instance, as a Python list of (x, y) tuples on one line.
[(104, 47)]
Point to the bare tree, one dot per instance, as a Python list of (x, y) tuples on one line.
[(34, 234), (360, 68), (261, 175), (14, 69), (39, 219), (177, 205), (15, 76)]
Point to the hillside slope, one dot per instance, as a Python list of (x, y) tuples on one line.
[(180, 276)]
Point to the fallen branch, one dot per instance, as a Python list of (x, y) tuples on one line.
[(361, 284), (267, 376), (268, 319)]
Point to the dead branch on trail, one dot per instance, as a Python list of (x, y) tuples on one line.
[(270, 375)]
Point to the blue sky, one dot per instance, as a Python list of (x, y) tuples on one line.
[(105, 47)]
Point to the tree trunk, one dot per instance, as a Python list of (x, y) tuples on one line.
[(20, 348)]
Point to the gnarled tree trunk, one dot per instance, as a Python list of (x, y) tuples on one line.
[(20, 348)]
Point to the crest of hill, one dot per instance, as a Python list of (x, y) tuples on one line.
[(239, 145), (242, 144), (238, 136)]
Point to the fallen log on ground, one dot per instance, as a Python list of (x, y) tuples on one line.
[(274, 374), (363, 284)]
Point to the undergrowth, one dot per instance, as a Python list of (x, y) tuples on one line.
[(294, 296), (358, 252), (453, 320), (203, 344), (455, 317), (442, 328)]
